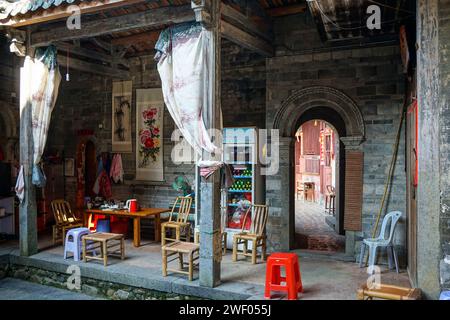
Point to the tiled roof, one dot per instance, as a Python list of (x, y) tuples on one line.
[(12, 8)]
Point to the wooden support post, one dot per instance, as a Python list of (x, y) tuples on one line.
[(210, 244), (27, 209)]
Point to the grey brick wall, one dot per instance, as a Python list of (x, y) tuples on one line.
[(85, 102), (372, 77)]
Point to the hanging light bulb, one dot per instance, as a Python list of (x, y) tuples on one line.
[(67, 71)]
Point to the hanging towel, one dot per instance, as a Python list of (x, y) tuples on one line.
[(20, 185), (102, 186), (208, 168), (116, 172)]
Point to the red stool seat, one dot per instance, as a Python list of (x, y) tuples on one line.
[(291, 283)]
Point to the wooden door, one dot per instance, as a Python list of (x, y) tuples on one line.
[(90, 171)]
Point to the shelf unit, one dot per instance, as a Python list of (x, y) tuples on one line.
[(240, 147)]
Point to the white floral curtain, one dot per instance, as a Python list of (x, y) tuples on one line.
[(41, 85), (183, 67)]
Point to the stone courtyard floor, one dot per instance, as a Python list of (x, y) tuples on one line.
[(324, 278), (312, 232)]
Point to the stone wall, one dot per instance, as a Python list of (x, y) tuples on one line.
[(92, 287), (370, 76)]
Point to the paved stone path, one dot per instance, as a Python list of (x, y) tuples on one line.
[(15, 289), (312, 232)]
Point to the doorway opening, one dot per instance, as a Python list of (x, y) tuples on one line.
[(316, 182), (90, 169)]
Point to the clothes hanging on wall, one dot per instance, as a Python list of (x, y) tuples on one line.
[(102, 186), (116, 172)]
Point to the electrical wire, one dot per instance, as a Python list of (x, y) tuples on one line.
[(324, 15), (391, 7)]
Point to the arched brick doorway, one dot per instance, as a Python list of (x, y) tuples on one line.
[(336, 108)]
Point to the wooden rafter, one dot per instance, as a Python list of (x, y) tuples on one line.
[(246, 40), (150, 18), (286, 10), (61, 12), (94, 68), (147, 37), (244, 22), (88, 53)]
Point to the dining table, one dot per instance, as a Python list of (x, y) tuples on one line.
[(144, 213)]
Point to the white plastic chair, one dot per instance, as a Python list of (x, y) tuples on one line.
[(383, 240)]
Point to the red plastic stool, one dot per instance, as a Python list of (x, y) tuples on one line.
[(292, 281)]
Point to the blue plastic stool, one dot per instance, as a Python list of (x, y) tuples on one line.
[(103, 226), (445, 295)]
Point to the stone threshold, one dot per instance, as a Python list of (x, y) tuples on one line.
[(337, 256), (125, 282)]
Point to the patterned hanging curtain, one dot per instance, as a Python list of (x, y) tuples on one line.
[(182, 55), (40, 84)]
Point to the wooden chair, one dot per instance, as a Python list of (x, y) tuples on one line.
[(300, 191), (310, 188), (330, 200), (256, 234), (180, 224), (65, 220)]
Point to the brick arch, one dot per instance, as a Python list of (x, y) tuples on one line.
[(335, 107), (303, 100)]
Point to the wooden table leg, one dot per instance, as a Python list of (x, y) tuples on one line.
[(105, 253), (137, 232), (157, 228), (85, 219)]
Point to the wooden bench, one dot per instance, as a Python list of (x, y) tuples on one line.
[(388, 292), (178, 249), (110, 244)]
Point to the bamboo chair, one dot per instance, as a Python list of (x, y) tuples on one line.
[(65, 220), (180, 224), (256, 234)]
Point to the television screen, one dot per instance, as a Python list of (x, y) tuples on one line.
[(5, 179)]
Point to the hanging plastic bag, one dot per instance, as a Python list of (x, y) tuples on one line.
[(38, 178)]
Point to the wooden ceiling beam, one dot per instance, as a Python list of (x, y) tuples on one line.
[(61, 12), (150, 18), (92, 54), (80, 65), (246, 40), (287, 10), (245, 22), (150, 37)]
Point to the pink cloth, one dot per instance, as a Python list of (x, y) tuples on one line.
[(116, 171)]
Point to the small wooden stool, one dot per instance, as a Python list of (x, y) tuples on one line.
[(388, 292), (105, 241), (178, 249)]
